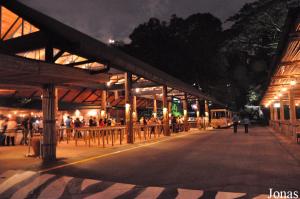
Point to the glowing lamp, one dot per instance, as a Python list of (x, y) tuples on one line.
[(154, 115), (293, 82), (276, 105), (194, 107), (77, 113), (284, 89), (92, 113), (102, 114)]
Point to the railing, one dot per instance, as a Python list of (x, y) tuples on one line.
[(285, 127), (108, 135)]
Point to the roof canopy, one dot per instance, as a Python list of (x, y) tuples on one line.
[(286, 66), (78, 61)]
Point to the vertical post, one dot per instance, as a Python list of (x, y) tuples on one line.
[(154, 106), (207, 121), (165, 111), (116, 94), (128, 107), (275, 113), (170, 108), (170, 113), (271, 111), (1, 23), (49, 108), (49, 114), (281, 110), (135, 116), (198, 113), (292, 106), (185, 112), (103, 104)]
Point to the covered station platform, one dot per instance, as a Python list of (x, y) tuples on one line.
[(282, 96), (50, 71)]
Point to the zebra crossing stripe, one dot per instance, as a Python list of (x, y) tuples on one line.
[(229, 195), (113, 191), (4, 176), (191, 194), (56, 188), (24, 191), (15, 179), (87, 182), (150, 192), (263, 196)]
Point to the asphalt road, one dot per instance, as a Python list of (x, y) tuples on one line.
[(218, 160)]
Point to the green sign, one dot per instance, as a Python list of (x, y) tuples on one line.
[(176, 108)]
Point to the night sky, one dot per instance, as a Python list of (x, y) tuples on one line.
[(115, 19)]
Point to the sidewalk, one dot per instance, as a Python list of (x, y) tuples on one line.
[(14, 157), (289, 144)]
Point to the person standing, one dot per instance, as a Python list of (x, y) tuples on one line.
[(2, 134), (91, 122), (246, 122), (11, 132), (235, 121)]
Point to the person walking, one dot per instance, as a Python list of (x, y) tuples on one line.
[(235, 121), (246, 122)]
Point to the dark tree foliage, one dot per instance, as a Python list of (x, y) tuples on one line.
[(253, 38), (232, 65), (185, 48)]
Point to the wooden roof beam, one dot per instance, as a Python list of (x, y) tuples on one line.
[(32, 41)]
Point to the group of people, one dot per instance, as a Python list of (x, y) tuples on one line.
[(7, 134), (77, 123), (9, 128), (245, 121)]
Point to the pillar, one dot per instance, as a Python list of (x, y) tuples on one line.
[(292, 106), (170, 108), (275, 114), (165, 111), (116, 95), (272, 112), (281, 112), (198, 113), (154, 106), (128, 108), (134, 113), (49, 114), (103, 104), (206, 119), (185, 113)]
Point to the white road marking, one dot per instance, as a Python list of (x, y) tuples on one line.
[(112, 192), (229, 195), (87, 182), (24, 191), (56, 188), (4, 176), (15, 179), (150, 192), (191, 194)]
